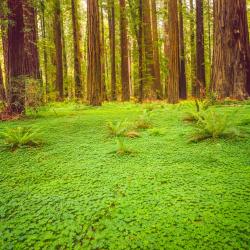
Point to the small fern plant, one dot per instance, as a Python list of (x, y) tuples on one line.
[(212, 124), (19, 137), (118, 129), (122, 148), (144, 121)]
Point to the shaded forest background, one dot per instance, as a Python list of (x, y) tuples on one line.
[(106, 50)]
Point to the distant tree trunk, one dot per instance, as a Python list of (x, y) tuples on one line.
[(140, 53), (32, 67), (103, 56), (59, 49), (77, 50), (111, 20), (65, 62), (94, 54), (2, 89), (200, 54), (149, 76), (174, 58), (166, 45), (231, 48), (45, 55), (183, 82), (124, 52), (192, 46), (157, 82)]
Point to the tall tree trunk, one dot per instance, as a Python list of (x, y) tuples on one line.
[(200, 54), (231, 48), (22, 52), (193, 50), (103, 56), (183, 82), (166, 46), (77, 50), (111, 20), (124, 52), (31, 62), (65, 62), (45, 55), (2, 89), (94, 54), (157, 82), (149, 76), (174, 58), (59, 49), (140, 53)]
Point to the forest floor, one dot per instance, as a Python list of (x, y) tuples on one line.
[(75, 191)]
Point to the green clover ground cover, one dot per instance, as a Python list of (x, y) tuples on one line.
[(75, 192)]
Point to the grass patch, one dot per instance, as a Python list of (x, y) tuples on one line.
[(72, 193)]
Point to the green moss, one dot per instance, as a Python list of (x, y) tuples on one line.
[(74, 192)]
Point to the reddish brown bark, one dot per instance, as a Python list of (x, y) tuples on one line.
[(111, 20), (124, 52), (231, 49), (94, 54), (77, 50), (59, 50), (174, 59)]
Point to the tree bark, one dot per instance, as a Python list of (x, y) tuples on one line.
[(157, 81), (22, 50), (183, 82), (94, 54), (149, 74), (59, 49), (174, 58), (77, 50), (231, 49), (124, 52), (192, 46), (200, 54), (2, 89), (111, 20)]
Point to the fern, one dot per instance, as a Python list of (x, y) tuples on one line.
[(117, 129), (20, 137), (144, 121), (122, 149), (212, 124)]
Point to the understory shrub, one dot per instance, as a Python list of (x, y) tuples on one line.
[(122, 148), (19, 137), (213, 124), (144, 121), (119, 128)]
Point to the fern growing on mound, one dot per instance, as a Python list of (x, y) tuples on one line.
[(19, 137), (117, 129), (144, 121), (213, 124)]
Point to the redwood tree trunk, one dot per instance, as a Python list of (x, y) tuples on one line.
[(174, 59), (77, 50), (59, 49), (157, 81), (94, 54), (149, 74), (124, 52), (200, 57), (231, 49), (111, 20), (22, 49), (183, 83), (2, 89), (192, 46)]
